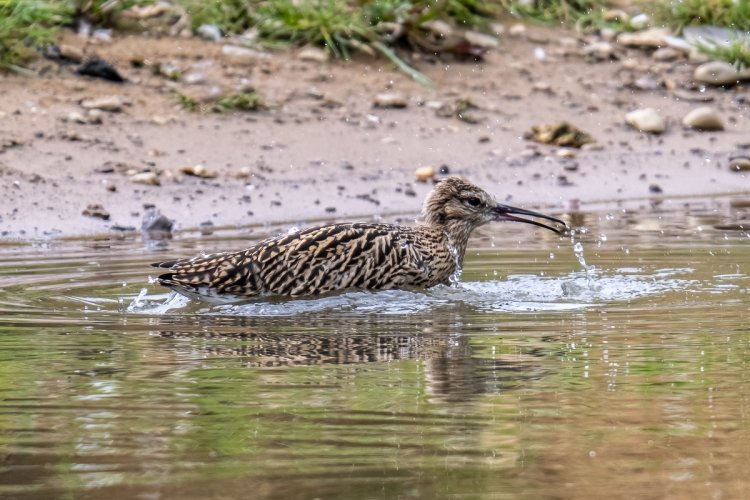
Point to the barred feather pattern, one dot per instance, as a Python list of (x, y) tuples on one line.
[(348, 256), (320, 260)]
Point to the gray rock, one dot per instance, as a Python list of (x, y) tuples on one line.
[(312, 54), (739, 164), (242, 55), (703, 118), (390, 100), (481, 40), (640, 21), (209, 32), (719, 73), (646, 120), (111, 103), (654, 37), (666, 54), (155, 223)]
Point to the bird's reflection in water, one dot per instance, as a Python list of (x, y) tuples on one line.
[(451, 369)]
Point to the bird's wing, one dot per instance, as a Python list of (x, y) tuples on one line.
[(310, 262)]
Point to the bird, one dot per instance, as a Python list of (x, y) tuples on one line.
[(341, 257)]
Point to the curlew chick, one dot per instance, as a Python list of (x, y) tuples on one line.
[(351, 256)]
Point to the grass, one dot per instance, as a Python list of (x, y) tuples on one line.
[(736, 53), (345, 27), (732, 14), (26, 25), (248, 100)]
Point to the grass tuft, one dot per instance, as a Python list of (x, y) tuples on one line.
[(28, 25)]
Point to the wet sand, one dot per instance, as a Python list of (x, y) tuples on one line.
[(321, 150)]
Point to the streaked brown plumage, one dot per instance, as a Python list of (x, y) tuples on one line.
[(350, 256)]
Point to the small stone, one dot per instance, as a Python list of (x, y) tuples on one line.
[(739, 164), (566, 153), (154, 222), (666, 54), (438, 27), (424, 174), (96, 210), (390, 100), (640, 21), (615, 16), (242, 55), (111, 103), (199, 171), (71, 52), (481, 40), (599, 50), (719, 73), (517, 30), (147, 178), (654, 37), (646, 120), (312, 54), (75, 117), (704, 118), (209, 32), (655, 188), (647, 83)]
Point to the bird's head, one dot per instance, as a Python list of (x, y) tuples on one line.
[(455, 201)]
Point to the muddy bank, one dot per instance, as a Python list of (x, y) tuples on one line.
[(321, 150)]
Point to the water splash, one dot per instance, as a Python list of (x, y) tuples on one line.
[(455, 277), (590, 270)]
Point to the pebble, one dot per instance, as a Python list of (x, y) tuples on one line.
[(719, 73), (739, 164), (666, 54), (646, 120), (686, 95), (647, 83), (199, 171), (424, 174), (242, 55), (71, 52), (481, 40), (615, 16), (640, 21), (390, 100), (312, 54), (703, 118), (96, 210), (155, 222), (209, 32), (600, 50), (517, 30), (438, 27), (654, 37), (111, 103), (147, 178)]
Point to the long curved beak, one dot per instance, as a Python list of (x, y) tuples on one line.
[(505, 212)]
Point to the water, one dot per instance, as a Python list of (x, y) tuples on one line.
[(534, 377)]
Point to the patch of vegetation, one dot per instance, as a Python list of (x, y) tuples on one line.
[(26, 25), (555, 10), (239, 101), (736, 53), (246, 100), (733, 14)]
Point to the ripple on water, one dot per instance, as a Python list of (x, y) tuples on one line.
[(521, 292)]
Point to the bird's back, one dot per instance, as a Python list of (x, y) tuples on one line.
[(317, 261)]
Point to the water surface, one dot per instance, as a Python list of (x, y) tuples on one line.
[(531, 378)]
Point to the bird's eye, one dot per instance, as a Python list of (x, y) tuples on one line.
[(474, 202)]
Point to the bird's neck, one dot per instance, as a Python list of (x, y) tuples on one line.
[(457, 234)]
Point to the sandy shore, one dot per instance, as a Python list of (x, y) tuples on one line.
[(321, 150)]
